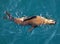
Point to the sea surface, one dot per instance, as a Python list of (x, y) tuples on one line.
[(12, 33)]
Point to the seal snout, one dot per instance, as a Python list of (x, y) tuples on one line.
[(52, 22)]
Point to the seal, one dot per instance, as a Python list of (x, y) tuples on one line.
[(34, 21)]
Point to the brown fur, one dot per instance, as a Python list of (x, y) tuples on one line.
[(39, 20), (34, 22)]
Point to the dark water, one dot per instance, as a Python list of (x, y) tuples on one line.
[(11, 33)]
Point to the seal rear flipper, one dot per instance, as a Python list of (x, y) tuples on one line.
[(9, 15)]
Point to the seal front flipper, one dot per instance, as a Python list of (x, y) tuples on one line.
[(33, 26)]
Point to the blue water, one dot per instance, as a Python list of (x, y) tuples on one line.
[(11, 33)]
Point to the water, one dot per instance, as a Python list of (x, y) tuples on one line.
[(11, 33)]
